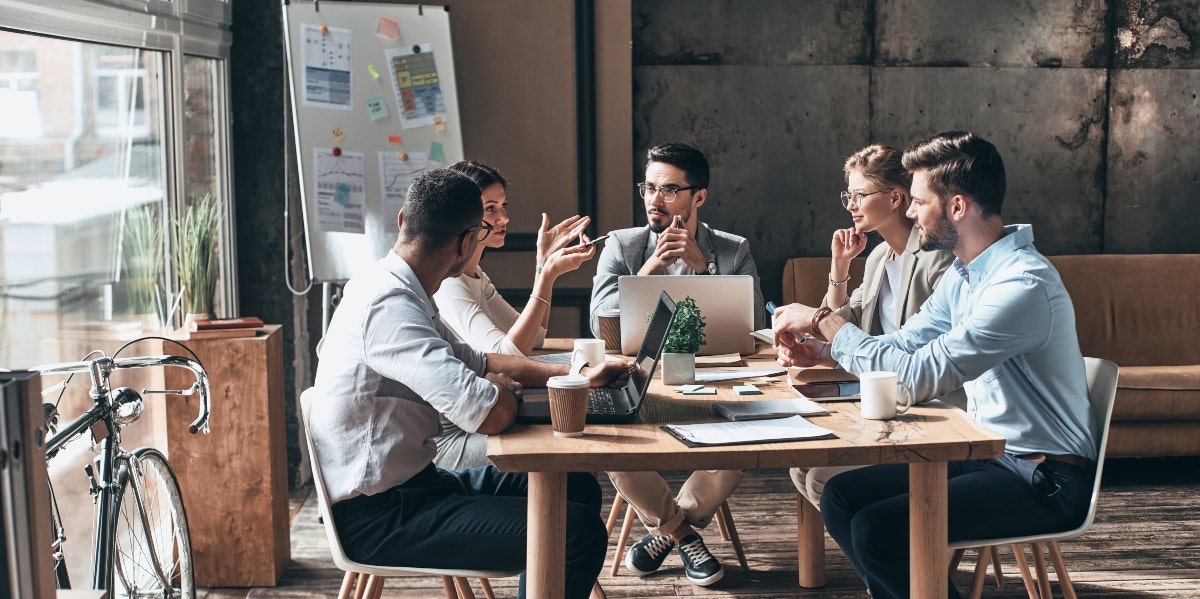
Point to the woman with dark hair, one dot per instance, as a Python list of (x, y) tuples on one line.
[(470, 305)]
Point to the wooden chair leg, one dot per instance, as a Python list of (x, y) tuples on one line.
[(955, 559), (360, 590), (980, 573), (464, 588), (622, 540), (487, 588), (995, 551), (1039, 564), (347, 585), (731, 534), (810, 543), (1030, 588), (1060, 568), (374, 586), (722, 524), (448, 587), (614, 513), (598, 592)]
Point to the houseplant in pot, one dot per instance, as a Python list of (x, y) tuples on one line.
[(142, 259), (683, 341), (194, 254)]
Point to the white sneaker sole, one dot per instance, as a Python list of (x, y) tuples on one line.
[(708, 581), (629, 565)]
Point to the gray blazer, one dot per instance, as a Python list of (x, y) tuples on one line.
[(626, 250)]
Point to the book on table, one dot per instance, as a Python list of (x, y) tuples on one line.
[(762, 409)]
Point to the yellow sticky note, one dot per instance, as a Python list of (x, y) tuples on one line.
[(372, 71), (337, 134), (439, 124)]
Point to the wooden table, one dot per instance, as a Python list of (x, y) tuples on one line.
[(927, 437)]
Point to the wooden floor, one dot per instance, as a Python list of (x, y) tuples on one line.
[(1145, 543)]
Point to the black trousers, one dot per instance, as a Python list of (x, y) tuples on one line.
[(866, 510), (469, 519)]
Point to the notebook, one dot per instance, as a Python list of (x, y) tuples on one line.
[(606, 405), (726, 302)]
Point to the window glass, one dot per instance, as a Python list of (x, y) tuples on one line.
[(82, 196)]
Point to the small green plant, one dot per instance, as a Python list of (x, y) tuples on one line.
[(142, 249), (687, 331), (195, 252)]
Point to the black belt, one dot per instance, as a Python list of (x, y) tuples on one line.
[(1065, 458)]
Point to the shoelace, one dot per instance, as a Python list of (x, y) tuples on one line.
[(696, 551), (659, 545)]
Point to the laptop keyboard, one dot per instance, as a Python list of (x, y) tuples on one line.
[(560, 358), (600, 401)]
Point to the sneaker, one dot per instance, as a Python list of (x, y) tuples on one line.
[(699, 565), (648, 554)]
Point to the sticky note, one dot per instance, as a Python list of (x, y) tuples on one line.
[(341, 194), (702, 391), (687, 388), (435, 152), (372, 71), (388, 27), (439, 124), (337, 134), (377, 107), (395, 139), (746, 390)]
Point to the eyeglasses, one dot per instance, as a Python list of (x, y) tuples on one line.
[(855, 197), (484, 229), (666, 192)]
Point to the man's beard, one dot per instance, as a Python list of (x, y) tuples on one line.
[(943, 236)]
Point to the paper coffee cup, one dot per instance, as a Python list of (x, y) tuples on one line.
[(608, 324), (568, 404)]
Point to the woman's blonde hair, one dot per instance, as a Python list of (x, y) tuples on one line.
[(882, 166)]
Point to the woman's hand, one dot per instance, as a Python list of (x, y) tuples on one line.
[(551, 239), (846, 244), (564, 260)]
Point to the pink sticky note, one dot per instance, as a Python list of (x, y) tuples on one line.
[(388, 27)]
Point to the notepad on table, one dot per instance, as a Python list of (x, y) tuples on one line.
[(767, 408), (795, 428)]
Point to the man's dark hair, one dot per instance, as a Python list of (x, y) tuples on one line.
[(483, 175), (963, 163), (683, 157), (441, 205)]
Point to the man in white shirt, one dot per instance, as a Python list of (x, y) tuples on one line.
[(388, 368)]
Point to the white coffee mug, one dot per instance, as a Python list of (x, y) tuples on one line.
[(880, 395), (588, 350)]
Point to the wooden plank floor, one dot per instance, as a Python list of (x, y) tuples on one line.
[(1145, 543)]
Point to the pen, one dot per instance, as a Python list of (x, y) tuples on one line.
[(771, 307)]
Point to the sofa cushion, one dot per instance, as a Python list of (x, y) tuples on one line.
[(806, 280)]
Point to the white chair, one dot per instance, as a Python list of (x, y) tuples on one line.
[(366, 581), (1102, 391)]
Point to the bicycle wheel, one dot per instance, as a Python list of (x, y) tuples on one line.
[(152, 553)]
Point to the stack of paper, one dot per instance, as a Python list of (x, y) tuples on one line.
[(795, 428)]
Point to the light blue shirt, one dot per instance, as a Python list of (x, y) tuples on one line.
[(1004, 329)]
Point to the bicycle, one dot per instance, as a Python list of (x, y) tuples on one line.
[(141, 546)]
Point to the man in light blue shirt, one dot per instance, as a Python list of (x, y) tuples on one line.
[(1002, 326)]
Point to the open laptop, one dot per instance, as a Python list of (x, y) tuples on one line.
[(726, 302), (614, 405)]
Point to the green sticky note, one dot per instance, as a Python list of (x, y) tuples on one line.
[(341, 194), (372, 71), (702, 391), (688, 388), (746, 390), (377, 106), (435, 152)]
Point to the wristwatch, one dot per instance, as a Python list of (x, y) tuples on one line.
[(711, 269)]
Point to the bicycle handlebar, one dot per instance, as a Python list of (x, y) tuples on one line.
[(100, 368)]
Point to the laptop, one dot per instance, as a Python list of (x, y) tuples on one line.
[(614, 405), (726, 301)]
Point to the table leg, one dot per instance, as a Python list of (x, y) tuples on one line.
[(810, 543), (927, 513), (546, 551)]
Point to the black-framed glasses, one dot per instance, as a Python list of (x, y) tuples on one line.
[(484, 229), (666, 192), (855, 197)]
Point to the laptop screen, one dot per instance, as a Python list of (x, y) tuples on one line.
[(653, 342)]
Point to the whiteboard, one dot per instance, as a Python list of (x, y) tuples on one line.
[(373, 103)]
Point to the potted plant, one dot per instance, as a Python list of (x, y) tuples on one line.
[(195, 254), (142, 262), (684, 339)]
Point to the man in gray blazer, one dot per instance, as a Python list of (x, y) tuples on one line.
[(674, 243)]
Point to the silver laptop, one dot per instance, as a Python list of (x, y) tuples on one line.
[(726, 302), (606, 406)]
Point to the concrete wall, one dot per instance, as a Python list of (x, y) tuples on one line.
[(1092, 105)]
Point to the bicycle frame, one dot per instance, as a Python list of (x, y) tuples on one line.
[(104, 484)]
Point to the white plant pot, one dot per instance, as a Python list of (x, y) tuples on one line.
[(678, 369)]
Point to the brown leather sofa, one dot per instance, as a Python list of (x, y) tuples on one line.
[(1140, 311)]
